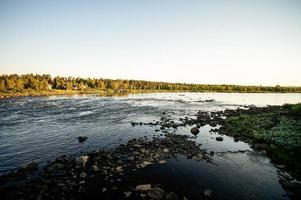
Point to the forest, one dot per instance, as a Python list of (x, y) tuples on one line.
[(35, 82)]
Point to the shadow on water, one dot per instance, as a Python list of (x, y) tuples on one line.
[(231, 177)]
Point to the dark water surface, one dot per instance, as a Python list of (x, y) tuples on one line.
[(42, 128)]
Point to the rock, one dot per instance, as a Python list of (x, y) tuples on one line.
[(82, 160), (198, 125), (95, 168), (127, 194), (194, 130), (143, 188), (82, 138), (236, 139), (156, 193), (207, 193), (279, 166), (119, 169), (171, 196), (161, 162), (219, 138), (104, 189), (165, 150), (131, 158), (33, 166), (83, 175), (145, 163)]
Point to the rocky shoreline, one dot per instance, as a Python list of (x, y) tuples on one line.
[(101, 174)]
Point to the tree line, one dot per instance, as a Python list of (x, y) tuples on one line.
[(19, 83)]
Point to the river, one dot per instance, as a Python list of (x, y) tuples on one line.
[(42, 128)]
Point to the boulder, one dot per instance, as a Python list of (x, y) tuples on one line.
[(156, 194), (219, 138), (194, 130)]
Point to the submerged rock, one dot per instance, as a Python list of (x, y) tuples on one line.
[(82, 138), (219, 138), (194, 130)]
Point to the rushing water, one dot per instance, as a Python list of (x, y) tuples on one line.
[(42, 128)]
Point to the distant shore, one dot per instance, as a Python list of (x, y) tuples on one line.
[(54, 92), (44, 85)]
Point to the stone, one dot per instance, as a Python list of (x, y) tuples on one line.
[(82, 160), (82, 138), (119, 169), (171, 196), (194, 130), (145, 163), (207, 193), (156, 193), (83, 175), (127, 194), (143, 188), (95, 168), (104, 189), (219, 138), (161, 162), (165, 150)]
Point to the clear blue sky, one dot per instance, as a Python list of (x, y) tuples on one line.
[(227, 41)]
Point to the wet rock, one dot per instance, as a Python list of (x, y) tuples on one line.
[(145, 163), (194, 130), (236, 139), (143, 188), (161, 162), (219, 138), (95, 168), (156, 193), (83, 175), (33, 166), (82, 160), (82, 138), (208, 193), (119, 169), (165, 150), (171, 196), (127, 194)]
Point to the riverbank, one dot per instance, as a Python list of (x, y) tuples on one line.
[(55, 92)]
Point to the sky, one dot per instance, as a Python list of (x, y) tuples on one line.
[(247, 42)]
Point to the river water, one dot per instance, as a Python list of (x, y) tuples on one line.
[(42, 128)]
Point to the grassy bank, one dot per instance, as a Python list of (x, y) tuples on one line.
[(276, 129)]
